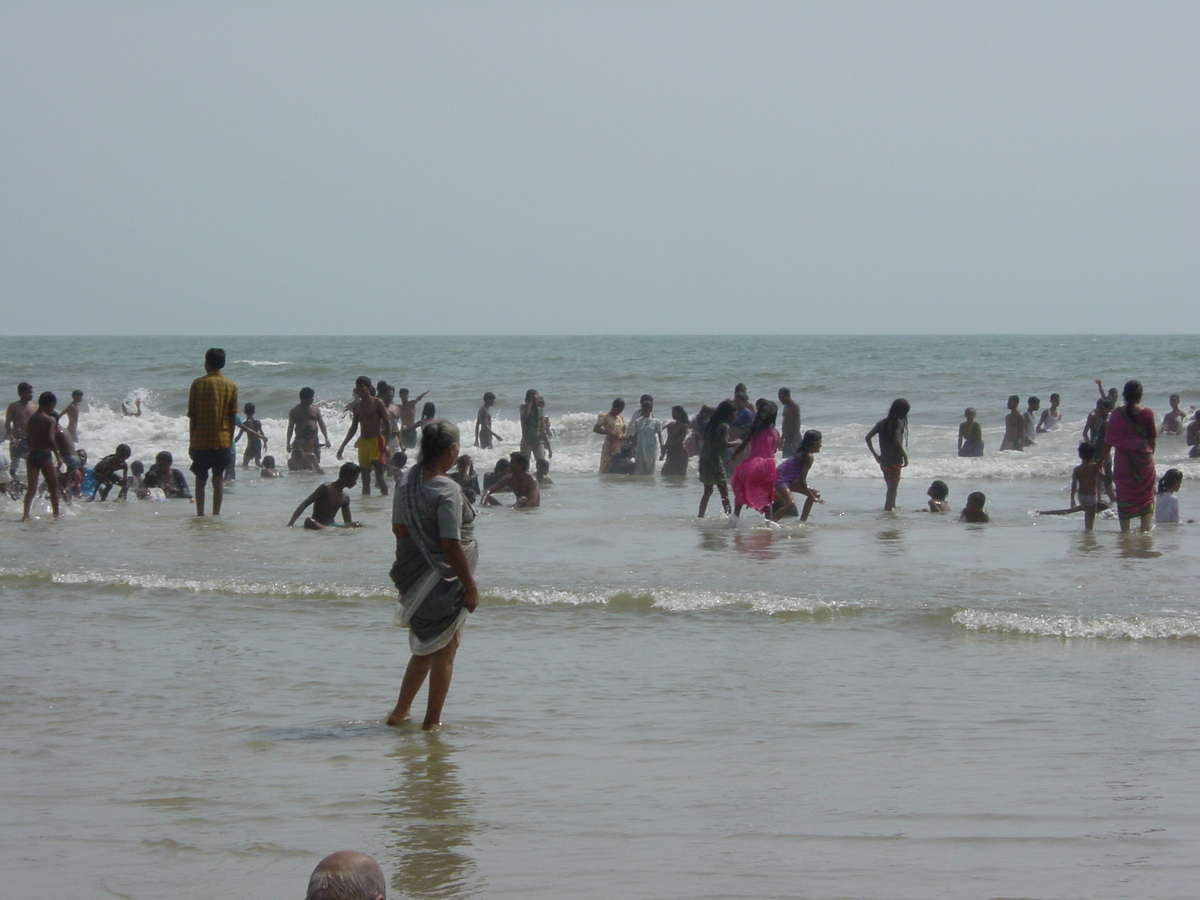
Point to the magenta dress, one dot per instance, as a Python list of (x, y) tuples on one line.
[(1133, 461), (754, 478)]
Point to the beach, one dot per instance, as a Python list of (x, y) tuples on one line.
[(646, 704)]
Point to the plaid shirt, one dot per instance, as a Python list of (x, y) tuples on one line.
[(212, 404)]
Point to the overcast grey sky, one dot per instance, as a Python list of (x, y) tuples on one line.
[(599, 167)]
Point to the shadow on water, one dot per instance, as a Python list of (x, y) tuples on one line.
[(431, 821), (1137, 545), (891, 540)]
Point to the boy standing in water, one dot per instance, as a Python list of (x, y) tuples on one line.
[(371, 415), (43, 457), (1014, 426), (212, 416), (789, 428), (327, 499), (72, 412), (1051, 418), (1030, 420), (255, 439), (483, 423)]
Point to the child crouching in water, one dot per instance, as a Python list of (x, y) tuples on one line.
[(938, 492), (973, 511), (1166, 506)]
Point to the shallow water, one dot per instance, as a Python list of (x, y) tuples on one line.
[(645, 705)]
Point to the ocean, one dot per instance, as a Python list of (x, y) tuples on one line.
[(646, 704)]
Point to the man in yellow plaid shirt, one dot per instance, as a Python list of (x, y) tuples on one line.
[(212, 415)]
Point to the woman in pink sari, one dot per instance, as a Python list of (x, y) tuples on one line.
[(1130, 437), (754, 479)]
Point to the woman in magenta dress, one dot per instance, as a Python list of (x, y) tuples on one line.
[(1131, 437), (754, 478)]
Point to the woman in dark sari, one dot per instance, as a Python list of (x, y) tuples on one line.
[(434, 570)]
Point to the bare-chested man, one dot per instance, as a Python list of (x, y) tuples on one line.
[(303, 422), (523, 485), (15, 420), (369, 417), (328, 499), (1014, 426), (43, 456), (387, 394), (408, 418), (789, 427)]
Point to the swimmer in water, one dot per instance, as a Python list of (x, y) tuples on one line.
[(327, 499)]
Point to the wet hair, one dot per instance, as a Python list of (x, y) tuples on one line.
[(647, 398), (679, 414), (501, 465), (399, 459), (763, 419), (363, 380), (739, 388), (349, 469), (248, 409), (1174, 397), (785, 393), (403, 391), (618, 403), (214, 358), (137, 467), (969, 411), (428, 411), (811, 438), (23, 387), (78, 395), (530, 395), (464, 458), (360, 878), (382, 386), (1132, 393), (939, 490), (436, 438), (1171, 478), (519, 459), (1086, 451), (1034, 401), (722, 415), (1014, 398), (307, 392), (1054, 397), (164, 456), (124, 448), (976, 498), (268, 462), (489, 396), (895, 424), (47, 398)]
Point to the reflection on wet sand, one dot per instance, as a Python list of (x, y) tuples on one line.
[(431, 821)]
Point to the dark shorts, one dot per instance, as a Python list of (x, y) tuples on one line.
[(204, 461)]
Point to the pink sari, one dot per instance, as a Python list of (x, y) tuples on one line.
[(1133, 460), (754, 479)]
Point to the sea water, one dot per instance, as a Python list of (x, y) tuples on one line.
[(646, 704)]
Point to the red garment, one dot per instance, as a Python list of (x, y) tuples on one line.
[(754, 479), (1133, 460)]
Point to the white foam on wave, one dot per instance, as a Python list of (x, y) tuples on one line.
[(1063, 626), (264, 362), (683, 601)]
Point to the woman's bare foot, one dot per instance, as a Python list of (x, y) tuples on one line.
[(397, 717)]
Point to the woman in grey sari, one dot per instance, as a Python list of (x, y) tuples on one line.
[(434, 570)]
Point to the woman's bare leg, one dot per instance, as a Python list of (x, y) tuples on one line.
[(414, 677), (724, 496), (704, 500), (441, 670)]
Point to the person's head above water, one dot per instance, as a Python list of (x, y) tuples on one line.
[(347, 875), (939, 490)]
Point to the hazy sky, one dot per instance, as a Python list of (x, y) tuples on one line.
[(591, 167)]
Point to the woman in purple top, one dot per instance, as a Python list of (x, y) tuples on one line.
[(792, 475)]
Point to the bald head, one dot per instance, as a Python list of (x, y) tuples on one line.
[(346, 875)]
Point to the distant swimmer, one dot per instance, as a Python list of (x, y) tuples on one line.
[(329, 499), (1172, 422), (974, 511), (1014, 426), (789, 424), (523, 485), (484, 436), (970, 435), (1030, 420), (134, 408), (1087, 481), (369, 417), (893, 440), (408, 418), (1051, 419), (43, 457), (269, 469)]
